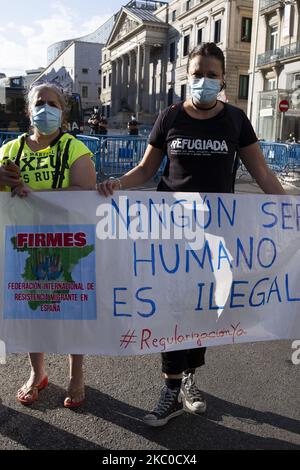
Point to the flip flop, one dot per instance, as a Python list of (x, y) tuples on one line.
[(71, 401), (31, 394)]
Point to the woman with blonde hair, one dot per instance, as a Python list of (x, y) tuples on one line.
[(47, 160)]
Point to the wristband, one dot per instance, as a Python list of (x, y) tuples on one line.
[(116, 179)]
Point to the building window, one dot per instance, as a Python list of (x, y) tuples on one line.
[(217, 34), (99, 91), (108, 111), (85, 70), (273, 38), (183, 92), (172, 52), (246, 29), (243, 87), (16, 82), (99, 71), (271, 84), (109, 80), (173, 15), (296, 81), (104, 81), (85, 91), (200, 36), (188, 5), (170, 96), (186, 45)]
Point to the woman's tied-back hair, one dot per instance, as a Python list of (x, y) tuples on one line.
[(208, 49), (35, 88)]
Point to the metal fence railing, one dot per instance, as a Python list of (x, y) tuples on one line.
[(93, 144), (115, 155), (6, 136), (276, 156), (119, 154), (283, 159)]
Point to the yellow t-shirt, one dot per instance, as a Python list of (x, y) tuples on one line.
[(38, 168)]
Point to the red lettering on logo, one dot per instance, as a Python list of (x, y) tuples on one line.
[(56, 240)]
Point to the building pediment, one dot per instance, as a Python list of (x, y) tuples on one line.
[(125, 24), (130, 20)]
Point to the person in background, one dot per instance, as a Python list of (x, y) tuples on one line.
[(58, 162), (291, 138), (94, 122), (133, 127), (202, 117), (103, 126)]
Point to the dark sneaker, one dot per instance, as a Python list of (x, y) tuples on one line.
[(191, 394), (169, 406)]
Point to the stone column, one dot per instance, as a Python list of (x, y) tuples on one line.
[(146, 77), (163, 77), (152, 85), (158, 84), (118, 84), (132, 84), (113, 88), (138, 81), (124, 85)]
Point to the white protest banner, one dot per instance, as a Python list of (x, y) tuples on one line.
[(144, 272)]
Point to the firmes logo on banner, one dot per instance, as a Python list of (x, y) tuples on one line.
[(53, 240)]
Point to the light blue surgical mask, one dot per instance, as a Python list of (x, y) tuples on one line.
[(46, 118), (205, 90)]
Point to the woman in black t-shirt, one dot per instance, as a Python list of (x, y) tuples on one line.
[(202, 136)]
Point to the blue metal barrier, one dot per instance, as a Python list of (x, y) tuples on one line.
[(114, 155), (294, 157), (6, 136), (277, 156), (93, 144), (119, 154), (281, 158)]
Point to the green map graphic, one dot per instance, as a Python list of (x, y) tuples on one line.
[(51, 265)]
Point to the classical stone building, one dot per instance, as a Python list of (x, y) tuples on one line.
[(275, 69), (144, 61), (134, 62)]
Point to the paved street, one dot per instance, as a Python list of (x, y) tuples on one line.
[(252, 392)]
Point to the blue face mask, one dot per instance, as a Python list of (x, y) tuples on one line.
[(205, 90), (46, 118)]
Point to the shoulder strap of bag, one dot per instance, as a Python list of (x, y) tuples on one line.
[(22, 143), (171, 115), (61, 164), (64, 163)]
